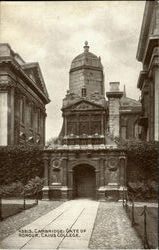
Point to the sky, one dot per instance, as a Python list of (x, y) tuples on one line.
[(53, 33)]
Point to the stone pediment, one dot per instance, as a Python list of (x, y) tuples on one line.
[(84, 105), (34, 73)]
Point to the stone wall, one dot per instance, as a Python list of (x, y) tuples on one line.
[(108, 166), (90, 78)]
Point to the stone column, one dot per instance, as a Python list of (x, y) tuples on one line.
[(11, 115), (122, 175), (70, 183), (65, 122), (122, 160), (101, 172), (89, 130), (78, 121), (46, 179), (151, 109), (156, 98), (101, 190), (97, 182), (102, 124), (3, 118), (64, 189), (44, 123)]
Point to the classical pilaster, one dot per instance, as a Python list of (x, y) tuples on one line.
[(102, 124), (156, 97), (11, 115), (64, 173), (151, 109), (70, 178), (70, 183), (101, 173), (122, 163), (97, 173), (65, 122), (3, 118), (46, 179)]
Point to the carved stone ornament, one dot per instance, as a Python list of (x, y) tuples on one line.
[(55, 163), (112, 164)]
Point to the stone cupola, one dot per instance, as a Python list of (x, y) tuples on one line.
[(86, 70)]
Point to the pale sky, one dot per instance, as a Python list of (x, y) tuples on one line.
[(53, 33)]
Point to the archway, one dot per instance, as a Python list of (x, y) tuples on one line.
[(84, 181)]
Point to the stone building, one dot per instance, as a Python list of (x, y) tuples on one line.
[(87, 162), (148, 81), (130, 111), (23, 97)]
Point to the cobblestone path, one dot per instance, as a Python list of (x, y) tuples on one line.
[(112, 229)]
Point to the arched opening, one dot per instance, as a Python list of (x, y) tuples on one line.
[(84, 181)]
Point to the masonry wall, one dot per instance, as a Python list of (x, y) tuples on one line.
[(91, 78), (114, 116)]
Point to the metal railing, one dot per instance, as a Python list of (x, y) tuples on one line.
[(131, 199)]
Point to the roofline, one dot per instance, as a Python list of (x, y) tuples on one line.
[(86, 67), (148, 10), (83, 99), (12, 51)]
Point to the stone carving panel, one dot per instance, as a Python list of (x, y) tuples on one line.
[(95, 127), (82, 106), (112, 171), (84, 128), (55, 172), (71, 128)]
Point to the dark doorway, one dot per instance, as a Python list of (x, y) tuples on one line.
[(84, 181)]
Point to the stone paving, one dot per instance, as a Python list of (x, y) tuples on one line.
[(68, 226), (112, 229)]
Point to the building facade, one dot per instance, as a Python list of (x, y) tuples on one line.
[(148, 81), (130, 111), (87, 162), (23, 97)]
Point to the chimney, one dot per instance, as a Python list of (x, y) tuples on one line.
[(114, 96)]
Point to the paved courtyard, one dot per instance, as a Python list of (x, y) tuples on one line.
[(73, 225)]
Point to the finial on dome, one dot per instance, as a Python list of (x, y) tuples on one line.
[(86, 47)]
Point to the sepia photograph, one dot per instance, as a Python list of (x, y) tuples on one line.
[(79, 124)]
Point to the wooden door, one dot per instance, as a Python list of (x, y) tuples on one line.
[(85, 182)]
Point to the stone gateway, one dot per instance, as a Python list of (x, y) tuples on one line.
[(86, 161)]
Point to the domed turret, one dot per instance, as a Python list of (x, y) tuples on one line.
[(86, 70), (86, 59)]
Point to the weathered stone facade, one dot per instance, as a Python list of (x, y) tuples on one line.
[(95, 173), (130, 111), (23, 97), (86, 161), (148, 81), (114, 104)]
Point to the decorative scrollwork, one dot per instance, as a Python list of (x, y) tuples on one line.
[(112, 164)]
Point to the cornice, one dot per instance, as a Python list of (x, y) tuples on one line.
[(12, 63), (114, 94), (142, 76), (86, 67)]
